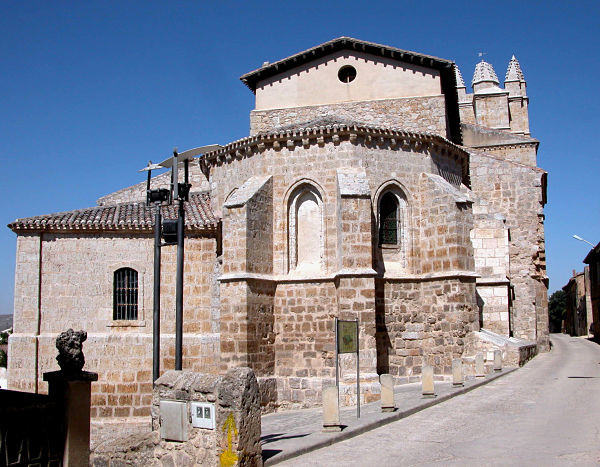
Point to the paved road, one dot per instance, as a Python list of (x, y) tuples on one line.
[(547, 413)]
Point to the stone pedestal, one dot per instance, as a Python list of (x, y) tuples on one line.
[(331, 409), (427, 382), (387, 393), (479, 366), (458, 379), (73, 392), (497, 360)]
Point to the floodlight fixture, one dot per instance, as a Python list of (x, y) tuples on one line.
[(169, 231), (577, 237), (189, 154)]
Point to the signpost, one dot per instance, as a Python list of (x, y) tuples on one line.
[(346, 341)]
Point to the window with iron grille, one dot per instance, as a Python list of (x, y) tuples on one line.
[(125, 294), (388, 220)]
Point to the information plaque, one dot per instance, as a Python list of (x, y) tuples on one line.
[(347, 334)]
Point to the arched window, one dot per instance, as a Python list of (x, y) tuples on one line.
[(125, 294), (305, 221), (393, 225), (388, 219)]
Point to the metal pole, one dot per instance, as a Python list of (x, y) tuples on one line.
[(357, 372), (179, 287), (156, 304), (337, 379)]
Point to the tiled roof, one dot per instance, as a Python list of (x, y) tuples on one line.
[(199, 216), (514, 73), (484, 72), (460, 82)]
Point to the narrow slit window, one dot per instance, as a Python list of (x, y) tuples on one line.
[(125, 294), (388, 220)]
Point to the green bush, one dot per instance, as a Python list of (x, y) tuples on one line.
[(557, 310)]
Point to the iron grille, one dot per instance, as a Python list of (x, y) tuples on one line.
[(125, 302)]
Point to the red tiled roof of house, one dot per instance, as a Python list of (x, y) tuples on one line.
[(199, 216)]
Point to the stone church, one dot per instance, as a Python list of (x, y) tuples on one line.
[(372, 186)]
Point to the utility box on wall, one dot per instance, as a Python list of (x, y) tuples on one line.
[(203, 415), (174, 420)]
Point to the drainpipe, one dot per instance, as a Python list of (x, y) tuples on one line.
[(39, 313)]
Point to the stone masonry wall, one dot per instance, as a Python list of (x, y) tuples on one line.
[(423, 323), (515, 191), (399, 165), (492, 110), (77, 292), (304, 341), (410, 114)]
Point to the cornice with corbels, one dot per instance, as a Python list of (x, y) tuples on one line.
[(334, 134)]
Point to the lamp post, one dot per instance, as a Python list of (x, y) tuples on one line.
[(165, 230), (577, 237)]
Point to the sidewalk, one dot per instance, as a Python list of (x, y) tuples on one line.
[(290, 434)]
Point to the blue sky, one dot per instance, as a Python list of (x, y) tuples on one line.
[(90, 91)]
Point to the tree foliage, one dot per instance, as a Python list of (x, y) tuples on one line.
[(557, 310)]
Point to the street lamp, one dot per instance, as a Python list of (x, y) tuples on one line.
[(173, 233), (577, 237)]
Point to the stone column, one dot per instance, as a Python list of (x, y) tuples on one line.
[(73, 393)]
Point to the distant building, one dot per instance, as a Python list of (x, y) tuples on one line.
[(593, 260), (578, 317)]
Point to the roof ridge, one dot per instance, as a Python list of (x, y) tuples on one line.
[(133, 214), (251, 78)]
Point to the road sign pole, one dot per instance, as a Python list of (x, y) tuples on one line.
[(357, 373)]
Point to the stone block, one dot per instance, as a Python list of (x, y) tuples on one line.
[(387, 393), (331, 409), (479, 366), (427, 381), (458, 379), (497, 360)]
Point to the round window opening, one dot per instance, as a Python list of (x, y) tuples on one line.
[(347, 74)]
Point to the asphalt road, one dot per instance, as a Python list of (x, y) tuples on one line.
[(547, 413)]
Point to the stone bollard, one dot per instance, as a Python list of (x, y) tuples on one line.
[(479, 366), (331, 409), (497, 360), (387, 393), (458, 379), (427, 381)]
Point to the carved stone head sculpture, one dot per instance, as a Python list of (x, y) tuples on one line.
[(70, 350)]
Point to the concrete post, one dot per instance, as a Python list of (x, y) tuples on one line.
[(479, 366), (497, 360), (427, 381), (73, 393), (387, 393), (458, 379), (331, 409)]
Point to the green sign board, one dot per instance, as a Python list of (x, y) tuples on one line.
[(347, 334)]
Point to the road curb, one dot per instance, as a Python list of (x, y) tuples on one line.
[(387, 418)]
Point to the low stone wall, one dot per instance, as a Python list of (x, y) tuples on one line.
[(234, 440), (515, 352)]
